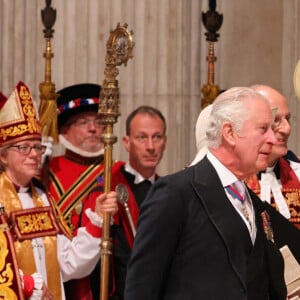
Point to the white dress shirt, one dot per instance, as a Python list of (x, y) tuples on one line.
[(228, 178)]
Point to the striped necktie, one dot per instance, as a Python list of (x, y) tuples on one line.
[(238, 191)]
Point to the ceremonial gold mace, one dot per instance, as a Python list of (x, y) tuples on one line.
[(118, 50)]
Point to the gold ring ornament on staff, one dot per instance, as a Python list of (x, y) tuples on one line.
[(118, 51)]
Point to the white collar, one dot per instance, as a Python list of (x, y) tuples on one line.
[(76, 150), (138, 177), (225, 175)]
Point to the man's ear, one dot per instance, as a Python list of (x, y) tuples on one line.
[(126, 142), (228, 133), (165, 144)]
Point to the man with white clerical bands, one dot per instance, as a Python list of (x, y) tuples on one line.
[(279, 184)]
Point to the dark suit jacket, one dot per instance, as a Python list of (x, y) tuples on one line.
[(192, 244)]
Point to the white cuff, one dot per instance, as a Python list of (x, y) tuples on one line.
[(38, 285), (94, 217)]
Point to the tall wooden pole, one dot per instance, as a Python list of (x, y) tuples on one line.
[(212, 21), (119, 49)]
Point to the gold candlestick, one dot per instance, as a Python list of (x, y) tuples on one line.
[(212, 21), (47, 108)]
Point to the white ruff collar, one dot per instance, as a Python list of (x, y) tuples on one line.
[(76, 150)]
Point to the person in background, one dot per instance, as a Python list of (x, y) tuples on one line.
[(38, 251), (279, 183), (201, 232), (74, 174), (200, 133), (145, 142)]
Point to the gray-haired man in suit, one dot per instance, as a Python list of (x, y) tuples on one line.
[(199, 235)]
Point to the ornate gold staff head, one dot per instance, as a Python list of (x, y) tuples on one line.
[(119, 50)]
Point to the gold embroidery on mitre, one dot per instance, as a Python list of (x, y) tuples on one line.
[(6, 273), (30, 123), (28, 110)]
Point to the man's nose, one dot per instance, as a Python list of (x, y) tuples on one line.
[(271, 137), (285, 126), (150, 142), (92, 125)]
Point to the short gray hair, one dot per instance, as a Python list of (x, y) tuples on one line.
[(229, 106)]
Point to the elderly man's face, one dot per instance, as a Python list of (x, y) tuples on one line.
[(282, 127), (84, 131), (254, 144)]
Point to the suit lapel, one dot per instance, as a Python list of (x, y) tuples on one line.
[(222, 214)]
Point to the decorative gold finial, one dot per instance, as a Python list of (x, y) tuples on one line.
[(212, 21), (48, 18), (119, 50)]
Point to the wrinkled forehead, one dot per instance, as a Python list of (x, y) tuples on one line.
[(87, 114)]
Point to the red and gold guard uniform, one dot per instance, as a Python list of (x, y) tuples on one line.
[(71, 178)]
